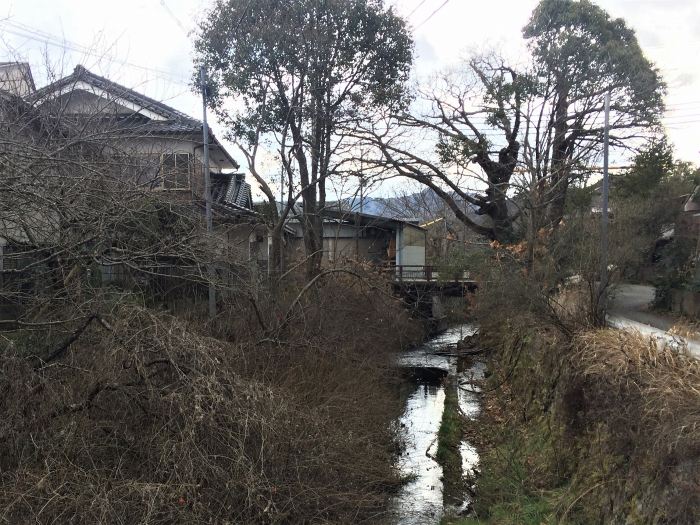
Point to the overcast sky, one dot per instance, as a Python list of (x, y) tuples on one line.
[(144, 44)]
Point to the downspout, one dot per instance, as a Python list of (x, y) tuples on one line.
[(399, 244)]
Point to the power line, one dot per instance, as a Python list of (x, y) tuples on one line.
[(679, 125), (416, 8), (172, 15), (432, 14), (676, 106), (30, 33), (679, 119)]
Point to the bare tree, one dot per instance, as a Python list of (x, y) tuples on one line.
[(473, 117), (522, 135)]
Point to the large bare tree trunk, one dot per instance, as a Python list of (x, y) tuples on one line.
[(313, 243), (560, 165), (502, 221)]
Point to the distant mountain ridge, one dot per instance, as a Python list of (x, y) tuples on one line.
[(423, 206)]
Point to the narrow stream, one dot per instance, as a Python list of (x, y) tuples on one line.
[(421, 499)]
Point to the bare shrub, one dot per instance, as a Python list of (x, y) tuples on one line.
[(117, 410), (146, 420)]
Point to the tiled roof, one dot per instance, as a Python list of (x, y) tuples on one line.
[(164, 127), (116, 90), (175, 123), (238, 193), (231, 190)]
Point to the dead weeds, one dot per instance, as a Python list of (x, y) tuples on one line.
[(145, 419)]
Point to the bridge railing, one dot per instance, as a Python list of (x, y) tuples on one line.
[(425, 273)]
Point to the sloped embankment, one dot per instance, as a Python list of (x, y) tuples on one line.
[(599, 427), (147, 418)]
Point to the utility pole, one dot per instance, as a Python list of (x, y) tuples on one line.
[(362, 194), (281, 210), (281, 188), (207, 187), (603, 293), (358, 219)]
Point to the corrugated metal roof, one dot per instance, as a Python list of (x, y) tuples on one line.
[(368, 219)]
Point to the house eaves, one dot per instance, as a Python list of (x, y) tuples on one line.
[(163, 120), (82, 79)]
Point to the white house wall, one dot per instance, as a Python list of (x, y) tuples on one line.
[(410, 246), (84, 103), (157, 145), (17, 79), (413, 256), (81, 86)]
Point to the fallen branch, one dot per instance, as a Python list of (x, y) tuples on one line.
[(69, 341), (63, 348)]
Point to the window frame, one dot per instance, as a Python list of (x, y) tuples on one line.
[(162, 170)]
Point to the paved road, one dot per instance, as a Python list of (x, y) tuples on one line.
[(630, 308)]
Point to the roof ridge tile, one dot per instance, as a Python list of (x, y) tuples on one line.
[(80, 72)]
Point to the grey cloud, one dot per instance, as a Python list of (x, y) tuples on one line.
[(684, 79)]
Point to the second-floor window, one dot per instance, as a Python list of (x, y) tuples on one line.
[(176, 170)]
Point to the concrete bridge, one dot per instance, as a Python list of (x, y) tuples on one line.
[(426, 291), (428, 278)]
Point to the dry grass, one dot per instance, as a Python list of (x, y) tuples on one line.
[(687, 328), (601, 427), (596, 426), (149, 421), (641, 401)]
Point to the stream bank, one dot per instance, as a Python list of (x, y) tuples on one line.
[(598, 426)]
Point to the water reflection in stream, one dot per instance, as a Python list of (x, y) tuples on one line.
[(421, 500)]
